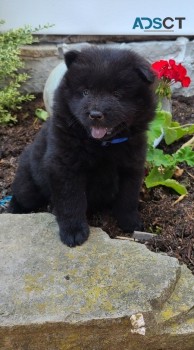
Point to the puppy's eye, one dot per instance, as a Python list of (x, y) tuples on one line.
[(85, 92)]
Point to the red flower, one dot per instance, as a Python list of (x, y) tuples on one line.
[(170, 72), (186, 81), (159, 67), (172, 62)]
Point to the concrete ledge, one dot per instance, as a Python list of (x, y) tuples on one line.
[(106, 294)]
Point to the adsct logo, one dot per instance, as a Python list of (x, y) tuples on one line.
[(157, 24)]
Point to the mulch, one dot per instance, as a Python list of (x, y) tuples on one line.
[(172, 222)]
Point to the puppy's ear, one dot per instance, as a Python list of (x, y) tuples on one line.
[(146, 73), (70, 57)]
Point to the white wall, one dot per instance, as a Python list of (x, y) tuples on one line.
[(97, 17)]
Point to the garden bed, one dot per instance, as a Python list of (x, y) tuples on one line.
[(172, 221)]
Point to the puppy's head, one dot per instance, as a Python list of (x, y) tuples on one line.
[(109, 90)]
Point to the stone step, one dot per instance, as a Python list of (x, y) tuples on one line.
[(105, 294)]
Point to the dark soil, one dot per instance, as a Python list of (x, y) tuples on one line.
[(173, 222)]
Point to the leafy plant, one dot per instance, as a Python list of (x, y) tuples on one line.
[(11, 66), (172, 130), (162, 166)]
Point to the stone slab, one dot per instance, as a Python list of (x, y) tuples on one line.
[(105, 294)]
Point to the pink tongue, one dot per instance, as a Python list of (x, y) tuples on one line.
[(98, 133)]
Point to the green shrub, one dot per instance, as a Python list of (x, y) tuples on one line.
[(11, 75)]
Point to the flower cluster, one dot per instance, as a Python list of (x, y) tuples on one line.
[(169, 72)]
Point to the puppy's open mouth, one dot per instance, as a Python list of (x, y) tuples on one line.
[(99, 133)]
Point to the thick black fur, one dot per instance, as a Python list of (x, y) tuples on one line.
[(65, 165)]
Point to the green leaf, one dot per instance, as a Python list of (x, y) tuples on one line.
[(157, 177), (157, 158), (158, 174), (175, 185), (175, 132), (185, 154), (41, 114), (162, 120)]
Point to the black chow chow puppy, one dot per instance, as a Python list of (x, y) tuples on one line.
[(90, 153)]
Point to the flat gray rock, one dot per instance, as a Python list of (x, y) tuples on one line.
[(105, 294)]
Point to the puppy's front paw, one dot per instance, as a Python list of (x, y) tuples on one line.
[(74, 233), (130, 222)]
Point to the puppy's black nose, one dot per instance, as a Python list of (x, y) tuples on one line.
[(96, 115)]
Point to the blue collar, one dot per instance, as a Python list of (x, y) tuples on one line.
[(114, 141)]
